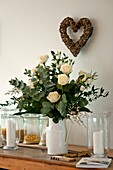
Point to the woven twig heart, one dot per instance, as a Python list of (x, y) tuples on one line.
[(75, 26)]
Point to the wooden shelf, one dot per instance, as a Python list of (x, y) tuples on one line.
[(32, 146), (36, 158)]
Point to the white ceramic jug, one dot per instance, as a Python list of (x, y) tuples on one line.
[(57, 137)]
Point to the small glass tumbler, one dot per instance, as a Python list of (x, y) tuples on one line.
[(98, 134), (10, 131)]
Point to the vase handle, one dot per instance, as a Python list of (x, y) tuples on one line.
[(68, 132)]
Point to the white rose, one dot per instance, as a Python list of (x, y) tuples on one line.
[(62, 79), (82, 88), (34, 70), (85, 74), (53, 96), (43, 58), (41, 82), (31, 84), (66, 68)]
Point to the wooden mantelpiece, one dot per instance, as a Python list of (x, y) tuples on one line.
[(27, 158)]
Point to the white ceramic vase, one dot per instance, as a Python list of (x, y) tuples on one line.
[(57, 137)]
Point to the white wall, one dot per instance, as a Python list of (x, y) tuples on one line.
[(29, 28)]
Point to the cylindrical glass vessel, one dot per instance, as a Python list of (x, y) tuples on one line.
[(98, 133), (10, 131), (31, 129), (43, 124)]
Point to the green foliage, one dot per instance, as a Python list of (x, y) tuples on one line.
[(72, 98)]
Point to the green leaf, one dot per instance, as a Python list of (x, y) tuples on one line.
[(59, 86), (46, 107), (105, 94), (83, 102), (37, 97), (28, 72), (61, 106), (55, 120), (49, 86), (18, 84), (84, 109), (68, 87), (50, 114)]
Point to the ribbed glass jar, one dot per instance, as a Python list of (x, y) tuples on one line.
[(31, 129)]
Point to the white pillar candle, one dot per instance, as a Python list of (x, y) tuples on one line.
[(10, 133), (98, 142)]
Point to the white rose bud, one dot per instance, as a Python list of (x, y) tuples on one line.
[(31, 84), (62, 79), (85, 74), (82, 88), (76, 95), (53, 96), (66, 68), (41, 82), (34, 70), (89, 81), (59, 64), (43, 58)]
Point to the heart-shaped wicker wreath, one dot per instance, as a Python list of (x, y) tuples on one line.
[(75, 26)]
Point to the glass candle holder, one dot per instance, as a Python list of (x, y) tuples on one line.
[(31, 129), (98, 134), (10, 131), (43, 124)]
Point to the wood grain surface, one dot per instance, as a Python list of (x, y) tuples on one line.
[(36, 158)]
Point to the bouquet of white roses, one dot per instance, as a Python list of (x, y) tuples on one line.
[(51, 92)]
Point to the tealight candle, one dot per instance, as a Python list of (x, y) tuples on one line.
[(10, 133), (98, 142)]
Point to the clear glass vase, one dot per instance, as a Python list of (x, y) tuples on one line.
[(98, 134), (31, 129)]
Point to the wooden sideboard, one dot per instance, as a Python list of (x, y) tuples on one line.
[(36, 158)]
